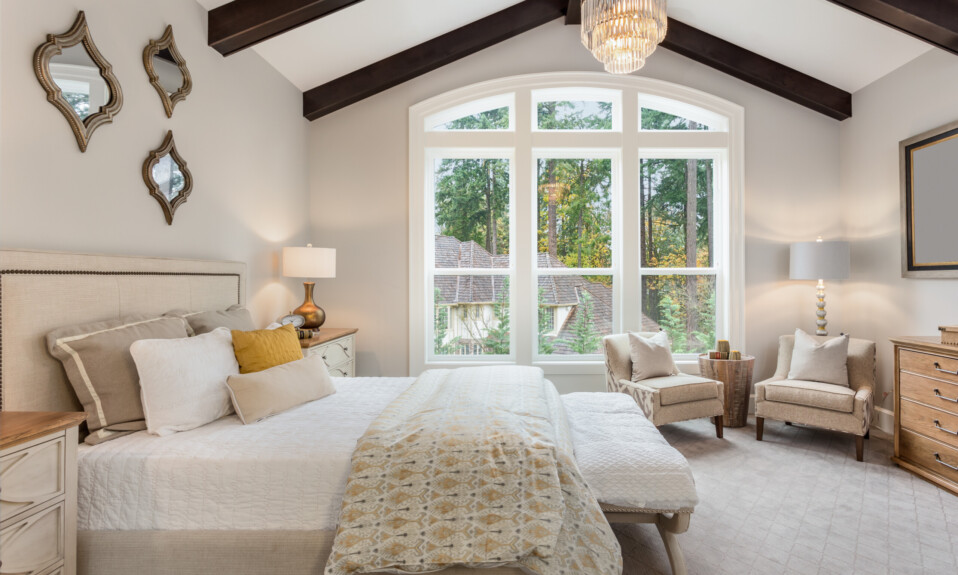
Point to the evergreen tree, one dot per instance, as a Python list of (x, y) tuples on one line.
[(546, 342), (496, 341), (585, 338)]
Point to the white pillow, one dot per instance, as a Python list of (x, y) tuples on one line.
[(651, 356), (261, 394), (823, 361), (183, 381)]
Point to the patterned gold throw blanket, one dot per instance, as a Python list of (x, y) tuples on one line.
[(471, 467)]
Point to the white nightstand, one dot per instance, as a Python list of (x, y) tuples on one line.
[(38, 492), (337, 346)]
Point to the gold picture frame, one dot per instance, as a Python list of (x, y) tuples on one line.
[(165, 48), (929, 200), (169, 205), (78, 34)]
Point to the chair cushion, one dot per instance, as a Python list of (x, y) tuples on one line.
[(682, 388), (812, 394)]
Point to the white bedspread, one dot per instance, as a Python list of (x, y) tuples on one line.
[(289, 471), (285, 472), (624, 458)]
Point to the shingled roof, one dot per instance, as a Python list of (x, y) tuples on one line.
[(557, 290)]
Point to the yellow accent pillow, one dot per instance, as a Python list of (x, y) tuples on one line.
[(266, 348)]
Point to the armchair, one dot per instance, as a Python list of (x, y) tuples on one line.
[(835, 407), (663, 399)]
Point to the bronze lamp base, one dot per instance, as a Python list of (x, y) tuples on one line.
[(314, 315)]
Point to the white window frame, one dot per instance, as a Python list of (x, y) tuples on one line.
[(525, 144)]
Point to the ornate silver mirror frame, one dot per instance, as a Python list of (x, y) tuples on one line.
[(176, 181), (78, 34), (165, 50)]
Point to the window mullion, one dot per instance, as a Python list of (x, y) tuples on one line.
[(523, 285)]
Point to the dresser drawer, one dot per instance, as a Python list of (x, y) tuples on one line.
[(937, 394), (31, 476), (343, 370), (929, 422), (930, 454), (930, 365), (335, 352), (33, 544), (57, 569)]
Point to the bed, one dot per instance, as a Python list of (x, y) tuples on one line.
[(221, 495)]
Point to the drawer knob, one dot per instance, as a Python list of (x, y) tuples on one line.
[(938, 459), (938, 425), (940, 396), (938, 368)]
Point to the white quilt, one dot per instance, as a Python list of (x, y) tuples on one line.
[(289, 471)]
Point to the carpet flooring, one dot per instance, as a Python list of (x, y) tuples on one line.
[(799, 503)]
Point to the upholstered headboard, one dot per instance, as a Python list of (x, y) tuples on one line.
[(41, 291)]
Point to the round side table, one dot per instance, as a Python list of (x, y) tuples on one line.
[(736, 375)]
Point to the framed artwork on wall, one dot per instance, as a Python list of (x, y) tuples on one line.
[(929, 203)]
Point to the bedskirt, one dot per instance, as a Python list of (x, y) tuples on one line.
[(277, 552)]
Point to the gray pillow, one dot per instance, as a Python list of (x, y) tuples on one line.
[(96, 358), (825, 361), (651, 356), (234, 317), (264, 393)]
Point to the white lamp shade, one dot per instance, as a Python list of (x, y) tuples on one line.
[(309, 262), (819, 261)]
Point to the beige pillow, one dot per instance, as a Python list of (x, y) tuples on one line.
[(264, 393), (825, 361), (234, 317), (97, 361), (651, 356)]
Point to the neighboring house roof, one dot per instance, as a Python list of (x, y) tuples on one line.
[(559, 290)]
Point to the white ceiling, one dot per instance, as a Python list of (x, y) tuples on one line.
[(813, 36)]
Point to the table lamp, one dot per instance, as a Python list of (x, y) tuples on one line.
[(309, 262), (819, 260)]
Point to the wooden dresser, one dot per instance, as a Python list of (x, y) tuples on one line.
[(337, 345), (38, 492), (926, 409)]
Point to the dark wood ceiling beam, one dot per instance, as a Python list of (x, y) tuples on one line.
[(429, 56), (934, 21), (573, 14), (756, 70), (242, 23)]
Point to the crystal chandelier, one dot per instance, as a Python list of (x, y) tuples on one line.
[(623, 33)]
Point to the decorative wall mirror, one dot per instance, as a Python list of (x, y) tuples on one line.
[(167, 177), (78, 80), (167, 70), (929, 204)]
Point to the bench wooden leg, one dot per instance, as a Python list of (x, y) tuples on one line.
[(719, 426), (759, 427), (860, 448), (668, 527)]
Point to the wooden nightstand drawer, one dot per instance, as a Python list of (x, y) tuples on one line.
[(930, 454), (929, 365), (937, 394), (35, 543), (335, 352), (31, 476), (939, 425)]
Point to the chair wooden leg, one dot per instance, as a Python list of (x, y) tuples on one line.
[(868, 434), (860, 447), (719, 426), (759, 427), (788, 423)]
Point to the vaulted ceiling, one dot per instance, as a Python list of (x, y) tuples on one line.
[(814, 52)]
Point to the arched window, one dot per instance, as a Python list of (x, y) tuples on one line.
[(550, 210)]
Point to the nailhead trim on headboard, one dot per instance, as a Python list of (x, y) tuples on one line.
[(94, 273)]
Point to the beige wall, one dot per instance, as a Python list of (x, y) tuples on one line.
[(241, 132), (918, 97), (359, 174)]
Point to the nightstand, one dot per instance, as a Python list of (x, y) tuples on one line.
[(38, 492), (337, 345)]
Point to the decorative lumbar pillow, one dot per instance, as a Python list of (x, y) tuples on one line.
[(651, 356), (234, 317), (264, 393), (97, 361), (183, 381), (266, 348), (822, 361)]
